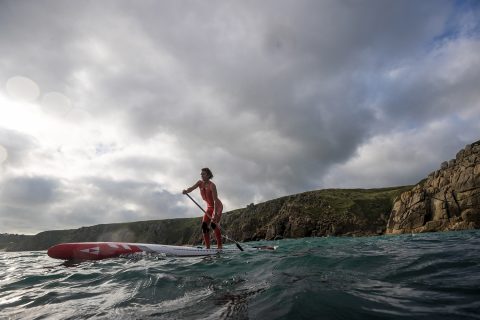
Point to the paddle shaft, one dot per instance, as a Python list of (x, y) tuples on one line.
[(218, 226)]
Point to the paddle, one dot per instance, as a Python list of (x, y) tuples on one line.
[(218, 226)]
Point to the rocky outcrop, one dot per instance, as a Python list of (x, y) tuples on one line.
[(448, 199)]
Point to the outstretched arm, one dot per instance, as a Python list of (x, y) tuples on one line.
[(195, 186)]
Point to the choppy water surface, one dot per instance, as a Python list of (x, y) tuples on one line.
[(425, 276)]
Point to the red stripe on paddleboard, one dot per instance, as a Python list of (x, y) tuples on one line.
[(91, 250)]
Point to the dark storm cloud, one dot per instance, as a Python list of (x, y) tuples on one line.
[(29, 191), (30, 203), (293, 73), (25, 203), (152, 200)]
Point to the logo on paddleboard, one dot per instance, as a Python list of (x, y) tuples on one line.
[(95, 250)]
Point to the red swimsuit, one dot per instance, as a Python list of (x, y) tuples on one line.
[(207, 195)]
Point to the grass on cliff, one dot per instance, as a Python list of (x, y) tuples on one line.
[(369, 202)]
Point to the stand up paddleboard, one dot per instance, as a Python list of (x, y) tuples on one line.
[(103, 250)]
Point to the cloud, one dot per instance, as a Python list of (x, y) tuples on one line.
[(404, 157), (26, 201), (275, 97), (16, 146), (28, 191)]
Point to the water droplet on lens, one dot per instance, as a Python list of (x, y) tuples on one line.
[(22, 88)]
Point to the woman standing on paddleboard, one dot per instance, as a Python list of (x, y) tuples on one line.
[(213, 214)]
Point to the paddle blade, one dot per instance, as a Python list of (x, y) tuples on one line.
[(264, 247)]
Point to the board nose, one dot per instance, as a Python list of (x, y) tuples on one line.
[(61, 251), (55, 252)]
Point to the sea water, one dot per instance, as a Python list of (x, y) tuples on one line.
[(418, 276)]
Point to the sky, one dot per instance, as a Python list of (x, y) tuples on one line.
[(109, 109)]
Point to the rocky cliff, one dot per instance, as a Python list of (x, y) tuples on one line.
[(335, 212), (449, 199), (330, 212)]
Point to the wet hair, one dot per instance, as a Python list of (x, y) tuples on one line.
[(208, 172)]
